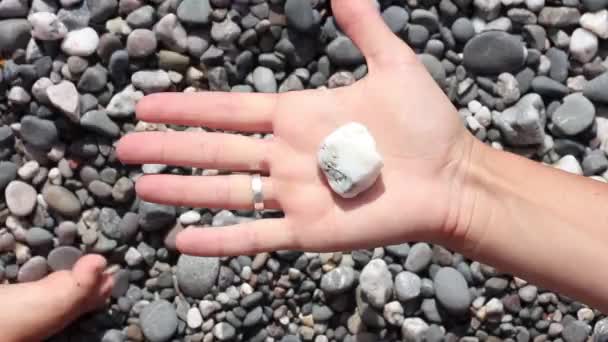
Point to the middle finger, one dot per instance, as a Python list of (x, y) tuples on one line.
[(207, 150)]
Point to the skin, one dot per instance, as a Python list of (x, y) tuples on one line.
[(37, 310), (439, 184)]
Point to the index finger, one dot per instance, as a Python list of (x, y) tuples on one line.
[(245, 112)]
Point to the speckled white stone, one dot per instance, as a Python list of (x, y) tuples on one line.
[(349, 159)]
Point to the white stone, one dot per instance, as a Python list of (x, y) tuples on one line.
[(65, 97), (413, 329), (535, 5), (28, 170), (596, 22), (583, 45), (133, 257), (494, 307), (19, 96), (46, 26), (81, 42), (484, 116), (474, 106), (194, 318), (189, 217), (599, 179), (349, 160), (569, 163)]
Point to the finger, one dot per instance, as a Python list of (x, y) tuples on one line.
[(229, 192), (245, 112), (243, 239), (361, 21), (197, 149)]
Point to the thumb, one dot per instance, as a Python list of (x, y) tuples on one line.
[(362, 22)]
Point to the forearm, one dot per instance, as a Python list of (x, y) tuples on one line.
[(539, 223)]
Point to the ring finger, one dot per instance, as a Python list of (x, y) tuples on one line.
[(229, 192)]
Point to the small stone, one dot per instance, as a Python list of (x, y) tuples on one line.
[(194, 318), (94, 79), (376, 283), (141, 43), (18, 96), (151, 81), (142, 17), (99, 122), (225, 32), (524, 123), (452, 291), (339, 280), (46, 26), (13, 8), (8, 173), (82, 42), (224, 331), (197, 275), (569, 164), (574, 116), (494, 52), (419, 257), (349, 160), (264, 80), (171, 33), (396, 18), (596, 22), (583, 45), (575, 331), (595, 162), (463, 29), (559, 17), (62, 200), (196, 12), (14, 34), (299, 15), (20, 198), (414, 329), (343, 52), (153, 217), (158, 321), (63, 258), (122, 105), (65, 97), (33, 270), (407, 286)]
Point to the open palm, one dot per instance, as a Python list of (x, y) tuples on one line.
[(417, 131)]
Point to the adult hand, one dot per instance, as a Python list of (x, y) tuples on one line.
[(418, 132)]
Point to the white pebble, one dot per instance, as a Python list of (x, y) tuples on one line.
[(484, 116), (596, 22), (194, 318), (583, 45), (474, 106), (133, 257), (82, 42), (569, 163), (189, 217), (349, 160), (29, 170), (46, 26)]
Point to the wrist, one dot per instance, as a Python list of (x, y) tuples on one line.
[(469, 198)]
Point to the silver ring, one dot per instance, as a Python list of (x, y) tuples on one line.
[(258, 195)]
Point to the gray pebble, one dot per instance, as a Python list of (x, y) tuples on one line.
[(33, 270), (158, 321), (63, 258), (197, 275), (452, 291), (419, 257)]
